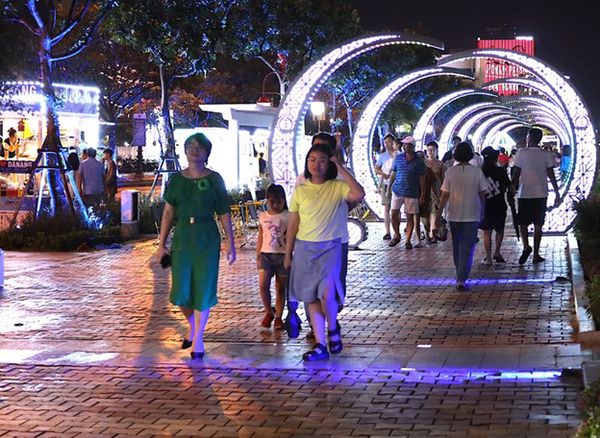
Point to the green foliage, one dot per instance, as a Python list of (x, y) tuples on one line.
[(300, 28), (150, 215), (588, 215), (182, 36), (62, 232), (593, 292), (591, 427)]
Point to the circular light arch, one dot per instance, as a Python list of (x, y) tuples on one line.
[(361, 162), (472, 120), (434, 109), (485, 126), (460, 117), (289, 123), (584, 156)]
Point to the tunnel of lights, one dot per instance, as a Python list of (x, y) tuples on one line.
[(546, 99)]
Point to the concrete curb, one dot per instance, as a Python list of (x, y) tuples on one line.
[(586, 328)]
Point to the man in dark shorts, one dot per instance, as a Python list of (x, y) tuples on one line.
[(533, 167)]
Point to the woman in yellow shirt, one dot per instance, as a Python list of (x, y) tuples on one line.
[(313, 237)]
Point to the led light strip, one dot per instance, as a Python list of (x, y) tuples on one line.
[(434, 109), (485, 126), (460, 117)]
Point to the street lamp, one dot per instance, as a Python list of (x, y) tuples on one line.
[(317, 109)]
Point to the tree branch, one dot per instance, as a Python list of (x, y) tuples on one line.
[(88, 37), (70, 25), (25, 24), (35, 13)]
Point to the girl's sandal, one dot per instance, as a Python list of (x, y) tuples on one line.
[(319, 352), (335, 346)]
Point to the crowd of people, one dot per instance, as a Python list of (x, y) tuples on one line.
[(305, 246), (469, 191), (96, 180)]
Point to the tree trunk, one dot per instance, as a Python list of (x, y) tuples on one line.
[(58, 198), (168, 135), (112, 136)]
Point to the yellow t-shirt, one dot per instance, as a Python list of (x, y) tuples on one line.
[(317, 205)]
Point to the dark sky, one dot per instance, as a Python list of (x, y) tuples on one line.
[(567, 33)]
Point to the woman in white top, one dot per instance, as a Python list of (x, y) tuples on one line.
[(464, 190)]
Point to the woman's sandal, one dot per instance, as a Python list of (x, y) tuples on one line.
[(319, 352), (335, 346)]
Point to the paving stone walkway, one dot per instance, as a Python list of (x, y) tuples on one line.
[(89, 346)]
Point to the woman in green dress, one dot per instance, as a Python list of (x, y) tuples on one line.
[(192, 199)]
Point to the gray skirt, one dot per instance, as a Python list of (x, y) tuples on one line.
[(314, 266)]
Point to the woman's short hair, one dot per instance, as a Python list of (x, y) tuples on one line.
[(463, 152), (202, 140), (277, 191), (331, 170)]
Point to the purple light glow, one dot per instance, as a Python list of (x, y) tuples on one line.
[(414, 281)]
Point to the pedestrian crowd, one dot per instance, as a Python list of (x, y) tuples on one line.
[(304, 245), (96, 180)]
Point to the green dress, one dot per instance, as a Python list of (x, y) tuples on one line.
[(196, 242)]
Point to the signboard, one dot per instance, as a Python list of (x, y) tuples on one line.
[(497, 69), (139, 130), (28, 96), (8, 205), (16, 166)]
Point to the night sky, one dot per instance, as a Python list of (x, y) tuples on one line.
[(567, 38)]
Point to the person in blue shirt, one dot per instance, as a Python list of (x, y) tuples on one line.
[(407, 182)]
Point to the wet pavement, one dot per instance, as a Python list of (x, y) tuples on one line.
[(90, 345)]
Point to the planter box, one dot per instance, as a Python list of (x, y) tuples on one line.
[(586, 328)]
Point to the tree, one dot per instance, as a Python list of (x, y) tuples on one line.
[(124, 75), (355, 83), (287, 35), (181, 37), (60, 33)]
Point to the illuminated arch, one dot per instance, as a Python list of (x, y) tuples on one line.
[(362, 164), (287, 129), (533, 113), (460, 117), (490, 136), (434, 109), (485, 126), (543, 106), (538, 86), (584, 158), (472, 120)]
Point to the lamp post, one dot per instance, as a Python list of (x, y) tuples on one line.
[(317, 109)]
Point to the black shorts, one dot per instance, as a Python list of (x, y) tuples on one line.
[(272, 263), (493, 222), (532, 211)]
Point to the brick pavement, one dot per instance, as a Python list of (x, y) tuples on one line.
[(180, 400), (89, 346)]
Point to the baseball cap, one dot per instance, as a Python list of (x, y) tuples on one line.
[(489, 152), (408, 139)]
